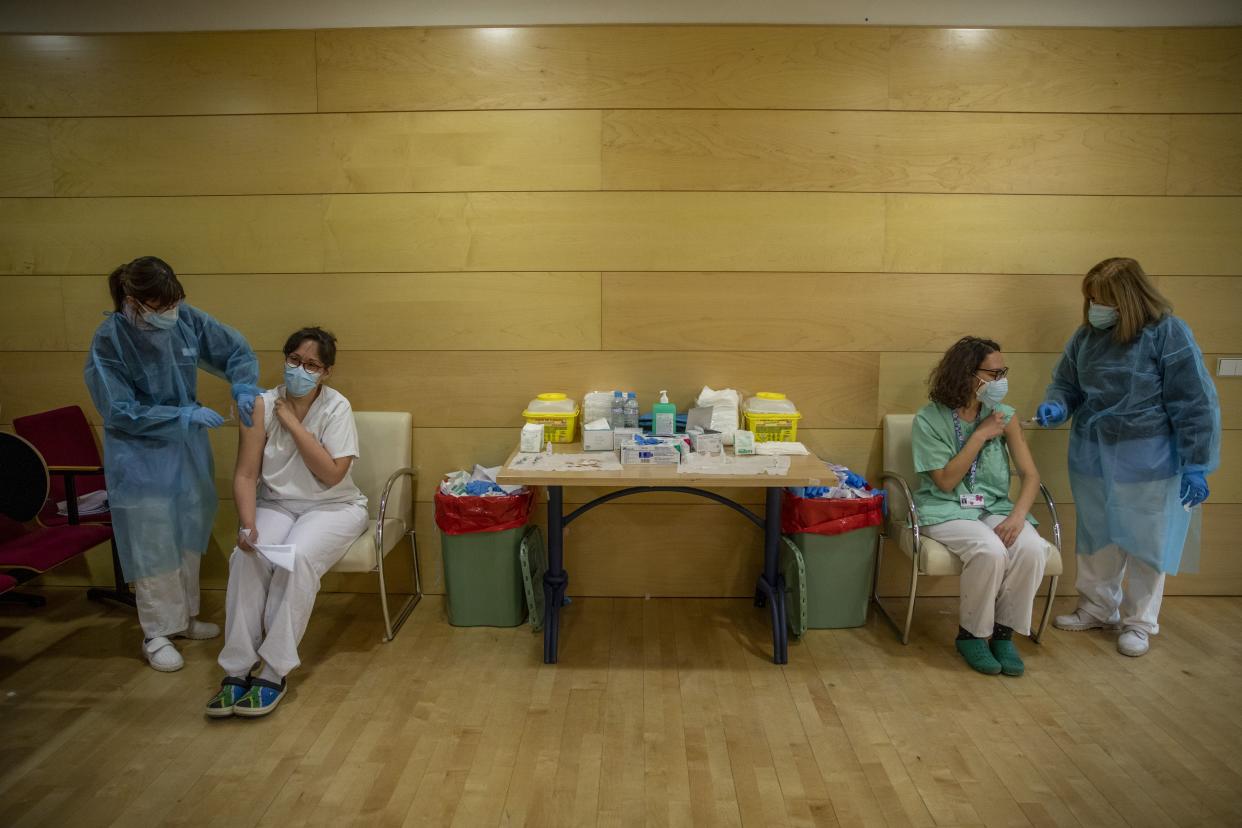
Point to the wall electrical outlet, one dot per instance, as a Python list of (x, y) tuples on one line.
[(1229, 367)]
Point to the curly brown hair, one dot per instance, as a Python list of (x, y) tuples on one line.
[(950, 382)]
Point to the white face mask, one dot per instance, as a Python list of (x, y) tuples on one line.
[(157, 320), (991, 393), (1102, 317)]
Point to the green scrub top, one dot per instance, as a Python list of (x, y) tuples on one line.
[(935, 444)]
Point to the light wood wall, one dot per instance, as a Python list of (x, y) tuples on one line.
[(483, 214)]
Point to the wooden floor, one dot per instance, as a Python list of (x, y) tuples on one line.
[(663, 712)]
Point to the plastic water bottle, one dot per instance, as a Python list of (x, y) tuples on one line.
[(618, 410), (631, 410)]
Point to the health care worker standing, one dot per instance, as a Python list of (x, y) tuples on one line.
[(1145, 435), (142, 373), (292, 487)]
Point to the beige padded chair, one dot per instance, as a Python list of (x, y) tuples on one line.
[(928, 557), (383, 473)]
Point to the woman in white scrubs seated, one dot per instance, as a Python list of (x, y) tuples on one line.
[(292, 487), (959, 441)]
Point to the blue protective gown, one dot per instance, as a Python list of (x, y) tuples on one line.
[(1143, 413), (161, 479)]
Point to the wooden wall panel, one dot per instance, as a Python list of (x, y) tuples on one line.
[(591, 67), (25, 157), (834, 311), (604, 231), (932, 152), (329, 153), (157, 74), (1060, 234), (273, 234), (1066, 70), (383, 311), (31, 314), (1205, 155), (1212, 306), (484, 389)]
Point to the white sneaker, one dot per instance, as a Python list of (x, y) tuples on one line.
[(1080, 620), (162, 655), (1133, 642), (200, 630)]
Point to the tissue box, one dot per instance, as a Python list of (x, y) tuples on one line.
[(597, 440), (532, 438), (621, 436), (665, 454), (708, 442)]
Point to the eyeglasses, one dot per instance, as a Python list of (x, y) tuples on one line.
[(995, 373), (311, 367)]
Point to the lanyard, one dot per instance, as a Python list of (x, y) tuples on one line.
[(961, 442)]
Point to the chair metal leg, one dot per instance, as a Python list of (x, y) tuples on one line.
[(903, 630), (120, 592), (1043, 622), (391, 625)]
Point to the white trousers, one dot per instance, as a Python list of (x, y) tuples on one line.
[(998, 582), (266, 608), (168, 601), (1100, 593)]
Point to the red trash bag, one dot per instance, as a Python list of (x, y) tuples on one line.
[(818, 516), (466, 515)]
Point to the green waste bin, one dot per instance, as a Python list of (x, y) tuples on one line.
[(838, 572), (480, 540), (483, 578)]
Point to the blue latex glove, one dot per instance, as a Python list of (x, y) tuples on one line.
[(855, 481), (1194, 489), (477, 488), (1050, 414), (245, 408), (205, 417)]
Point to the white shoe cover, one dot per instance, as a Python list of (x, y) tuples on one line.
[(200, 630), (162, 655), (1133, 642)]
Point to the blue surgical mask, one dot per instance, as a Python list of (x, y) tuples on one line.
[(1102, 317), (991, 393), (164, 320), (299, 382)]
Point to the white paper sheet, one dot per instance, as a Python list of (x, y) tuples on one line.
[(724, 465), (93, 503), (596, 461), (278, 554)]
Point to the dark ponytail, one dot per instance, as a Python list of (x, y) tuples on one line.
[(148, 279)]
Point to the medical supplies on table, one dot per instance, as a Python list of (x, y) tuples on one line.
[(771, 416), (724, 405), (597, 436), (556, 413), (661, 451)]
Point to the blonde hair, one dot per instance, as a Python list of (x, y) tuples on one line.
[(1121, 283)]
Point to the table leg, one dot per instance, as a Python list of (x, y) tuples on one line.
[(555, 579), (771, 584)]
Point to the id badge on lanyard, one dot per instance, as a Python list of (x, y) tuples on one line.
[(970, 500)]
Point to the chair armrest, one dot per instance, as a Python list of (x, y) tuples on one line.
[(1052, 512), (408, 471), (912, 513), (72, 470)]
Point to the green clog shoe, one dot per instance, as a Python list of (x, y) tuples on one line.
[(978, 655), (1007, 654)]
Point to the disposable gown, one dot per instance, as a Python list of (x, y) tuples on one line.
[(161, 481), (1143, 413)]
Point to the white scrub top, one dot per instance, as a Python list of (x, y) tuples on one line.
[(285, 479)]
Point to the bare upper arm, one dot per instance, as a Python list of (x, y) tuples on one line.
[(250, 443), (1019, 451)]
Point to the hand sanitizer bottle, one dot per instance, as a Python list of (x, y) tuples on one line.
[(664, 417)]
